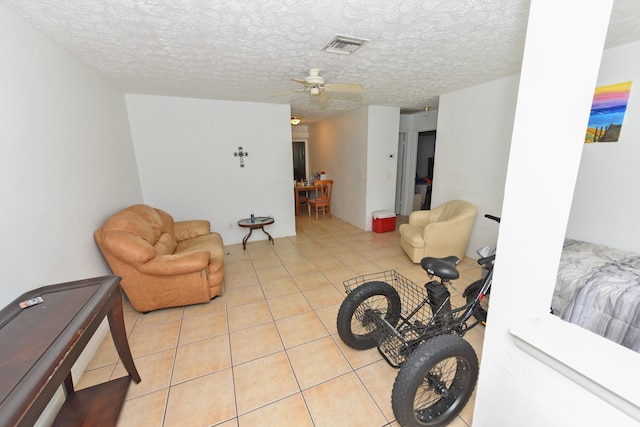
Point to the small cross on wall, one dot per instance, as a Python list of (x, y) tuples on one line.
[(241, 154)]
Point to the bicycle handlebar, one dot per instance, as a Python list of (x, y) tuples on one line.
[(495, 218), (483, 261)]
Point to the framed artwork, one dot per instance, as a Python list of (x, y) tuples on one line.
[(607, 113)]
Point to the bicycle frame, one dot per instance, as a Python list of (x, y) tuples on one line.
[(488, 280), (420, 318), (415, 328)]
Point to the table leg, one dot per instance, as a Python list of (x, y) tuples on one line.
[(68, 385), (119, 334), (244, 241), (270, 238)]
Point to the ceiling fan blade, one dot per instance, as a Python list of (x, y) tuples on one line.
[(338, 87), (304, 82), (291, 92)]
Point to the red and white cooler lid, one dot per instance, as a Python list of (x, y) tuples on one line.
[(383, 214)]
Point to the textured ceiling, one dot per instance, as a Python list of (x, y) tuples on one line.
[(250, 50)]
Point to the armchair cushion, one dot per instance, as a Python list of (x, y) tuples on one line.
[(162, 263), (439, 232)]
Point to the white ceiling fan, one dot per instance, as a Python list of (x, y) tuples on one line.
[(315, 85)]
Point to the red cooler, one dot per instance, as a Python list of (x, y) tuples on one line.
[(384, 221)]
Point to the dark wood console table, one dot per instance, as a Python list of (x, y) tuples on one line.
[(40, 344)]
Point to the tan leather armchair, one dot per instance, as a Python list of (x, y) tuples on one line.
[(438, 232), (162, 263)]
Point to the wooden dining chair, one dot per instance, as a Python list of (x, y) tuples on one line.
[(302, 196), (323, 197), (302, 200)]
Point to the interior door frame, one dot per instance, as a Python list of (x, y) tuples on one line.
[(400, 178), (404, 203)]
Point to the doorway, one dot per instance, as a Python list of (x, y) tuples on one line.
[(425, 160), (416, 162), (299, 160)]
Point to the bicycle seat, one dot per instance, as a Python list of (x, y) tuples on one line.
[(444, 268)]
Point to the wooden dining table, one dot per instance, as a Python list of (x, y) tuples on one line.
[(303, 188)]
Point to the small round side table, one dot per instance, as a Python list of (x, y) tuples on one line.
[(258, 222)]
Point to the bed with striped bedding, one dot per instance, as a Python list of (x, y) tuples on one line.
[(598, 288)]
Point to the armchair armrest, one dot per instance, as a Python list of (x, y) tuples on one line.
[(184, 230), (125, 246), (171, 265)]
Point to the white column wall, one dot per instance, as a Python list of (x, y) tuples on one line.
[(382, 162), (339, 147), (537, 370), (472, 151)]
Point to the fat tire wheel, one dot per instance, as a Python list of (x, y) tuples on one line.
[(471, 292), (371, 298), (435, 382)]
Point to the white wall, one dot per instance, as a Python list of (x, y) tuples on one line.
[(609, 176), (339, 147), (66, 164), (472, 150), (608, 173), (382, 148), (66, 161), (353, 149), (185, 149)]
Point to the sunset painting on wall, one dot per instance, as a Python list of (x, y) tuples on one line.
[(607, 113)]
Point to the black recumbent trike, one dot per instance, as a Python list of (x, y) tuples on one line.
[(416, 329)]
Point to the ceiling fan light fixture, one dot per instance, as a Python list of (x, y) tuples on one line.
[(314, 90), (344, 45), (295, 121)]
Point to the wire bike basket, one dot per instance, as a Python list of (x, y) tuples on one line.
[(416, 322)]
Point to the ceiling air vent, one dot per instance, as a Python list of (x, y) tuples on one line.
[(344, 45)]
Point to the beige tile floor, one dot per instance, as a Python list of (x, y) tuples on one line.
[(267, 352)]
